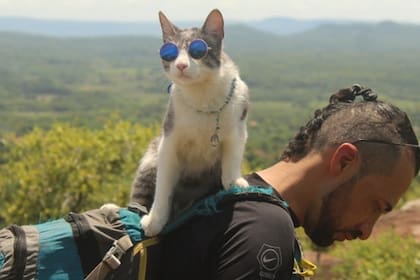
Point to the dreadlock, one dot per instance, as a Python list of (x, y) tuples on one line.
[(345, 119)]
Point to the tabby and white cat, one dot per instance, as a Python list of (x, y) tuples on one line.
[(204, 130)]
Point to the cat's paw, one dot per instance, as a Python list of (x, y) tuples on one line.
[(241, 182), (151, 225), (110, 207)]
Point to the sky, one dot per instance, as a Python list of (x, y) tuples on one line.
[(407, 11)]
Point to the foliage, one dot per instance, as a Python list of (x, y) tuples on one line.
[(389, 256), (87, 159), (46, 174), (82, 80), (412, 193)]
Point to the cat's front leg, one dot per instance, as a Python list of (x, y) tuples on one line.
[(166, 178), (232, 154)]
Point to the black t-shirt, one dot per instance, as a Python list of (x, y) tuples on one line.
[(246, 240)]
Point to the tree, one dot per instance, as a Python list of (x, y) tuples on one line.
[(46, 174)]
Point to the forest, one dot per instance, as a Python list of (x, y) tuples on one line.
[(77, 113)]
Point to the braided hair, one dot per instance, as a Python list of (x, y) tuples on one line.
[(345, 119)]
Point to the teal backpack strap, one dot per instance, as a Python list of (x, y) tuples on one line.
[(211, 205)]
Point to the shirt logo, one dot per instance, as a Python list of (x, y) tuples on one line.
[(269, 258)]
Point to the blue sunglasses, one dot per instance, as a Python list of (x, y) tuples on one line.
[(197, 49)]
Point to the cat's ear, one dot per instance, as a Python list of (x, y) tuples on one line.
[(214, 24), (168, 29)]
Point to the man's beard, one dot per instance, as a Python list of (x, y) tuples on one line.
[(323, 233)]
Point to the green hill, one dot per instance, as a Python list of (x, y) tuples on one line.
[(85, 80)]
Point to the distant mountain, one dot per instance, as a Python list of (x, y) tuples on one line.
[(66, 28), (388, 36), (278, 26), (353, 37), (272, 35), (287, 26)]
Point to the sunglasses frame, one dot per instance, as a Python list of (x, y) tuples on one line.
[(189, 50), (386, 143), (416, 148)]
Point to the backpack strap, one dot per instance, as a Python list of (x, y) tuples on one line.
[(141, 249), (112, 259), (20, 253), (302, 268), (212, 204)]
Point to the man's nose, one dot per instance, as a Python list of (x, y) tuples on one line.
[(365, 230)]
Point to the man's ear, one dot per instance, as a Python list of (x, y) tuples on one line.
[(345, 159)]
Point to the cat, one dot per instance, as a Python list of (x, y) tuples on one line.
[(204, 131)]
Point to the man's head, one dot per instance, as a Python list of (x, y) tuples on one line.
[(366, 144), (346, 120)]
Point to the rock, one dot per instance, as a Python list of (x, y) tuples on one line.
[(411, 205), (405, 221)]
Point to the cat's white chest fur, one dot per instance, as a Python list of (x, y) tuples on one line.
[(196, 122)]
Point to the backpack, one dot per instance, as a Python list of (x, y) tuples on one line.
[(105, 244)]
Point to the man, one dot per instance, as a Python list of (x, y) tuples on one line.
[(351, 163)]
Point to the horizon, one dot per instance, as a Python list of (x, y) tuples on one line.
[(111, 21), (126, 11)]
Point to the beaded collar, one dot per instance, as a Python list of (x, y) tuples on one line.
[(214, 139)]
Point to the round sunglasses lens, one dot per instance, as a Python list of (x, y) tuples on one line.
[(198, 49), (169, 52)]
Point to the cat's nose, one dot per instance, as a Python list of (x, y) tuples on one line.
[(181, 66)]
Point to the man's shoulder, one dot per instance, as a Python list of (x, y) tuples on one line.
[(258, 232), (260, 212)]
